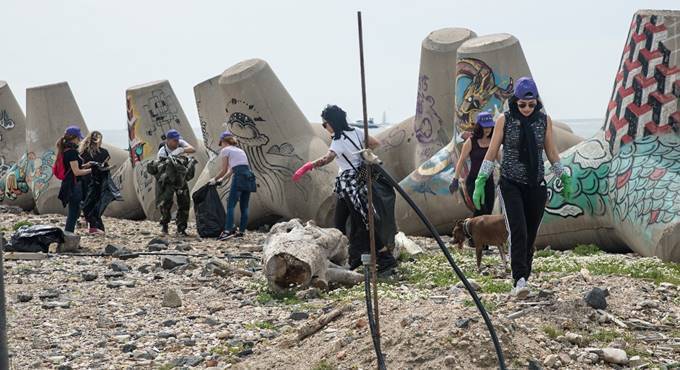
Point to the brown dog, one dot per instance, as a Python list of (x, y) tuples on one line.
[(480, 231)]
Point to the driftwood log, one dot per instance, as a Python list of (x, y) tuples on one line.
[(298, 256)]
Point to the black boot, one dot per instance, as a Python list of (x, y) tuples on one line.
[(164, 228)]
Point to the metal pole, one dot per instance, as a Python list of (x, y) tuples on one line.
[(369, 175), (4, 352)]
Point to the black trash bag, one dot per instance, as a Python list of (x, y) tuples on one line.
[(210, 214), (101, 191), (35, 238), (383, 202)]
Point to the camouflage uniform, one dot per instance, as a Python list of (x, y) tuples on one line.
[(172, 174)]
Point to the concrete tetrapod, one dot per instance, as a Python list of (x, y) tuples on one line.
[(153, 109), (277, 138), (486, 70), (435, 111), (49, 110), (14, 189), (626, 179)]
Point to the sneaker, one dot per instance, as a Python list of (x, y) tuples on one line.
[(238, 234), (521, 290), (182, 233), (226, 235), (164, 229)]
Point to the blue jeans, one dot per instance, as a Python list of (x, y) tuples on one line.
[(237, 196), (74, 207)]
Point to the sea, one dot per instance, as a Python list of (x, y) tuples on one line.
[(582, 127)]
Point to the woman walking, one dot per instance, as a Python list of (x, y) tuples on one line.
[(475, 148), (525, 133), (93, 184), (71, 192), (235, 163), (350, 190)]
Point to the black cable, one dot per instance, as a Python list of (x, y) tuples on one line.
[(447, 254), (371, 319)]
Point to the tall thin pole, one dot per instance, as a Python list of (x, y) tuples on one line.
[(4, 351), (369, 177)]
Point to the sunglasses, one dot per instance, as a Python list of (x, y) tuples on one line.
[(524, 105)]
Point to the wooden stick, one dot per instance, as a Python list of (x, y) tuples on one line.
[(369, 179), (318, 324)]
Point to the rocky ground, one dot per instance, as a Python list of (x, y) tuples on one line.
[(213, 309)]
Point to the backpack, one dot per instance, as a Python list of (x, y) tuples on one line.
[(58, 168)]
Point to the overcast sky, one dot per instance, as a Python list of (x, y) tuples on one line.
[(103, 47)]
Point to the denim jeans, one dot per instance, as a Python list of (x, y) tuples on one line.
[(240, 197), (74, 207)]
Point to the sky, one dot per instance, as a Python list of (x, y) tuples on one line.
[(103, 47)]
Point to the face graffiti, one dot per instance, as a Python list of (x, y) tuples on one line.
[(478, 89), (163, 112), (272, 164)]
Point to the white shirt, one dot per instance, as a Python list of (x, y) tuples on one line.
[(164, 151), (344, 146), (236, 156)]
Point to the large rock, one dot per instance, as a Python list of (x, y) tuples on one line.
[(626, 178), (297, 255), (14, 189)]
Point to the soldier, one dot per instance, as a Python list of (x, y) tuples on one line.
[(172, 170)]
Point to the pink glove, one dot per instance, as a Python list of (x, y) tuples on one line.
[(302, 171)]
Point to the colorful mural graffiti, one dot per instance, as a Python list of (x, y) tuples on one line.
[(39, 170), (639, 185), (478, 89), (434, 175), (13, 182), (647, 85), (137, 145)]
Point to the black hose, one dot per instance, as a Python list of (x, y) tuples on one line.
[(461, 276), (371, 318)]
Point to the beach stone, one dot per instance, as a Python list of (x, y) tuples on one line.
[(574, 338), (111, 250), (449, 361), (89, 276), (168, 323), (188, 361), (171, 299), (615, 356), (49, 294), (475, 285), (157, 241), (129, 347), (170, 262), (551, 360), (119, 266), (597, 298), (23, 298), (113, 275), (156, 247), (534, 365), (297, 316), (56, 304)]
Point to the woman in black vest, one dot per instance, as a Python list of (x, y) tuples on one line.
[(525, 133)]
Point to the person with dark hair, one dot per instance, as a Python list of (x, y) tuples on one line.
[(350, 188), (71, 191), (235, 163), (475, 148), (525, 133), (93, 184)]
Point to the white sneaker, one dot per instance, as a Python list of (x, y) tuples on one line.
[(521, 290)]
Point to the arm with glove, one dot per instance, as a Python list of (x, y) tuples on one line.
[(309, 166), (488, 165), (554, 157)]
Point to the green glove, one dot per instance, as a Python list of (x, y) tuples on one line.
[(567, 190), (478, 195)]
